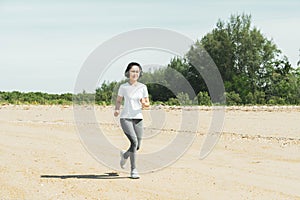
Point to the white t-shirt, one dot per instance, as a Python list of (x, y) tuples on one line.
[(132, 95)]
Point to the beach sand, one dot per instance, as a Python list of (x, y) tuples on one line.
[(257, 156)]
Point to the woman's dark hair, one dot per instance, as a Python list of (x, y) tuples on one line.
[(130, 65)]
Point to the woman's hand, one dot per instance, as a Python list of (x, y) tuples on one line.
[(145, 103), (116, 113)]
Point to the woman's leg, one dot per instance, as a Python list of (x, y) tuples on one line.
[(138, 127), (129, 130)]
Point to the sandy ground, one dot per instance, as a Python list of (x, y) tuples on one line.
[(257, 156)]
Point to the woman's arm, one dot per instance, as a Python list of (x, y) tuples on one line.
[(118, 105)]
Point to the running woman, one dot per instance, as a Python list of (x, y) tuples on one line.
[(136, 98)]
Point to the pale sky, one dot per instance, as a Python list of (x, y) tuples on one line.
[(43, 44)]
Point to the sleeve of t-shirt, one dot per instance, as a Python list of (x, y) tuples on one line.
[(145, 92), (121, 91)]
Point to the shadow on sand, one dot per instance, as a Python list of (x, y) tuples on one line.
[(111, 175)]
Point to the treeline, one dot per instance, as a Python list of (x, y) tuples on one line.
[(253, 69), (99, 98), (16, 97)]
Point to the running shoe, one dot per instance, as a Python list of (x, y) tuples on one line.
[(134, 174), (122, 160)]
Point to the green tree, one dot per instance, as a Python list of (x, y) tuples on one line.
[(106, 93), (233, 98), (203, 99), (242, 54)]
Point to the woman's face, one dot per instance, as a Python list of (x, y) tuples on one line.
[(134, 73)]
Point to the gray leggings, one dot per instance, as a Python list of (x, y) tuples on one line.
[(133, 129)]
